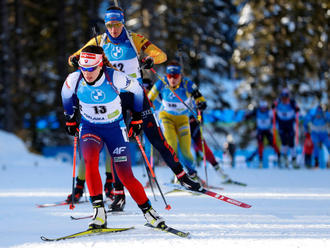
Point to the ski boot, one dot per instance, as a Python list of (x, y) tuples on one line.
[(152, 217), (189, 183), (78, 191), (221, 173), (119, 202), (196, 178), (99, 219)]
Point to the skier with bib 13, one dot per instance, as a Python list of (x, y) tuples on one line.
[(95, 86)]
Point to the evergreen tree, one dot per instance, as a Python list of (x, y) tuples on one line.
[(283, 44), (36, 42)]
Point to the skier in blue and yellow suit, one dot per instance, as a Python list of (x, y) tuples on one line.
[(173, 114)]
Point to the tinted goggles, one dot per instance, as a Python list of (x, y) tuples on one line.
[(175, 76), (89, 69), (113, 25)]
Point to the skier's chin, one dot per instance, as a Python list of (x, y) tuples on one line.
[(90, 80)]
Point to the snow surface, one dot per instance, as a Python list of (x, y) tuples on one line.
[(290, 208)]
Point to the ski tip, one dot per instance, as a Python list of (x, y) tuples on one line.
[(43, 238), (72, 206)]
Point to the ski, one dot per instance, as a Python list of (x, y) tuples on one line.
[(213, 187), (90, 232), (212, 194), (56, 204), (230, 181), (179, 190), (168, 229)]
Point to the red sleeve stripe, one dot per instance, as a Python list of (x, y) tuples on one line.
[(145, 45), (67, 85)]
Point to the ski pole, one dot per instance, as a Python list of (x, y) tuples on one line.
[(74, 169), (150, 180), (167, 206), (203, 144), (146, 171), (151, 156), (152, 166)]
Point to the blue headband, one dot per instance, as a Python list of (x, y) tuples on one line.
[(173, 69), (114, 15)]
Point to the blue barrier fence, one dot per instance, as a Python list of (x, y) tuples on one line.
[(65, 154)]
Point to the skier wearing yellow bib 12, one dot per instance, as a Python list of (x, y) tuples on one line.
[(173, 114)]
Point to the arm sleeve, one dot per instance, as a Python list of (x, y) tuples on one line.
[(122, 81), (143, 44), (90, 42), (155, 90), (69, 99)]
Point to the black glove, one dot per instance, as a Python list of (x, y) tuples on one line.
[(74, 60), (135, 126), (201, 106), (147, 63), (71, 125)]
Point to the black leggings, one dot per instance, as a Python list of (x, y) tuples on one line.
[(154, 134)]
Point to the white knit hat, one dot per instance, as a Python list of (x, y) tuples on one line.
[(90, 59)]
